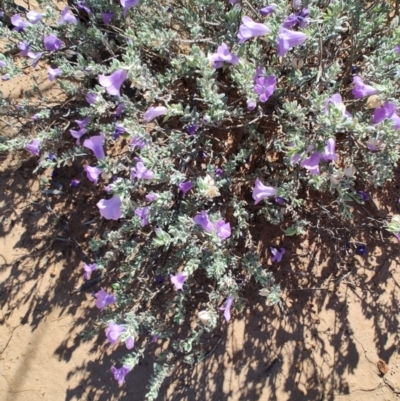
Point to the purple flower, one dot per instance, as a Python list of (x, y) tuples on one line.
[(276, 255), (223, 55), (82, 6), (19, 23), (265, 87), (251, 104), (119, 374), (118, 130), (91, 98), (397, 49), (203, 220), (143, 213), (24, 47), (5, 77), (67, 17), (178, 280), (219, 172), (227, 308), (2, 63), (312, 163), (103, 299), (53, 73), (363, 195), (107, 17), (185, 187), (35, 58), (154, 338), (110, 209), (192, 129), (33, 147), (113, 82), (118, 111), (139, 142), (75, 182), (361, 89), (387, 111), (113, 332), (279, 200), (141, 172), (261, 191), (95, 144), (336, 100), (250, 29), (34, 17), (266, 10), (153, 112), (82, 123), (288, 39), (297, 19), (52, 43), (130, 343), (78, 134), (330, 150), (88, 270), (92, 173), (223, 229), (151, 197), (127, 4)]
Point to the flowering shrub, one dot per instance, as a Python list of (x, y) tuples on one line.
[(169, 82)]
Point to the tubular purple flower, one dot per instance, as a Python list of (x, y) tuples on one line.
[(178, 280), (91, 98), (75, 183), (219, 172), (288, 39), (336, 100), (297, 19), (113, 82), (92, 173), (151, 197), (312, 163), (110, 209), (127, 4), (2, 64), (113, 332), (192, 129), (53, 73), (387, 111), (82, 123), (34, 17), (153, 112), (95, 144), (360, 90), (118, 130), (223, 55), (88, 269), (266, 10), (276, 254), (139, 142), (67, 17), (5, 77), (251, 104), (223, 229), (103, 299), (82, 6), (118, 111), (141, 172), (261, 191), (19, 23), (52, 43), (143, 213), (78, 134), (185, 187), (265, 87), (119, 374), (330, 150), (107, 17), (35, 58), (250, 29), (227, 308), (33, 147), (203, 220), (129, 343), (24, 47)]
